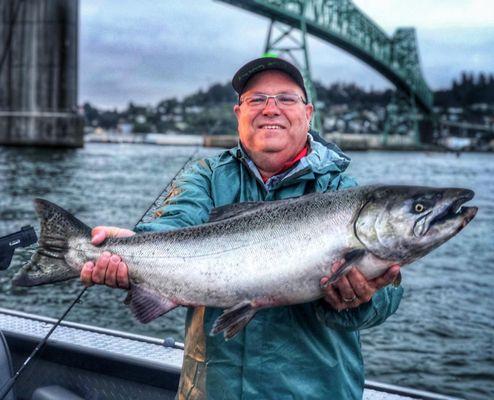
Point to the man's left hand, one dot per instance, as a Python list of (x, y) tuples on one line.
[(354, 289)]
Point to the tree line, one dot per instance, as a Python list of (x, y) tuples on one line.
[(210, 110), (467, 90)]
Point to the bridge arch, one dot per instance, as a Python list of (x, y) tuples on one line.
[(342, 24)]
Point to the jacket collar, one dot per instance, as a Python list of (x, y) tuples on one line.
[(321, 159)]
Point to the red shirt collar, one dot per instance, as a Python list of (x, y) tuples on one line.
[(290, 163)]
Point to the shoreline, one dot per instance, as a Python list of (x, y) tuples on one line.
[(348, 142)]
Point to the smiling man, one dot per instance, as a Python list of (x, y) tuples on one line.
[(273, 120), (306, 351)]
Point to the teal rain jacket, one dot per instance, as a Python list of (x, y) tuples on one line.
[(305, 351)]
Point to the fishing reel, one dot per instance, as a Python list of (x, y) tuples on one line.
[(23, 238)]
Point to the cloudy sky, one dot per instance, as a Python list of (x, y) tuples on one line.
[(144, 51)]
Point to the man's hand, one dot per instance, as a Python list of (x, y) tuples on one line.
[(354, 289), (109, 269)]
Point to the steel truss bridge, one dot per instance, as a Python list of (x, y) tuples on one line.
[(342, 24)]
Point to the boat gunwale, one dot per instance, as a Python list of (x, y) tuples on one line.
[(110, 356)]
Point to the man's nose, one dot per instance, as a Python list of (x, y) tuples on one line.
[(271, 108)]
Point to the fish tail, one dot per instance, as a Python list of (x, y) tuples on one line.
[(48, 264)]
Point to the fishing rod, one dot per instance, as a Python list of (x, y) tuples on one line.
[(7, 387), (156, 201)]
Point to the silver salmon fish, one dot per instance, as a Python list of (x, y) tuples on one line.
[(255, 255)]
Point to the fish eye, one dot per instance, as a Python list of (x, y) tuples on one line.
[(419, 207)]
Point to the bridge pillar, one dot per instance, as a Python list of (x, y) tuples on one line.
[(427, 129), (38, 73), (403, 117), (285, 40)]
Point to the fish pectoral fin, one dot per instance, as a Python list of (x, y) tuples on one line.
[(349, 259), (353, 255), (342, 271), (146, 304), (234, 319)]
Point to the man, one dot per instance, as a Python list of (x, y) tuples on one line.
[(306, 351)]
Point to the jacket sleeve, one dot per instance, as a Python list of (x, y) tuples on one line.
[(344, 182), (188, 203), (383, 304)]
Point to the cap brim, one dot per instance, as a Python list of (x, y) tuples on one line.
[(245, 73)]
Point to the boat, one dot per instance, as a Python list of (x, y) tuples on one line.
[(87, 362)]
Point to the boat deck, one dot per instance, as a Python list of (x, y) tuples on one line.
[(149, 356)]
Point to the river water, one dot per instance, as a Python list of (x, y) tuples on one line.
[(442, 337)]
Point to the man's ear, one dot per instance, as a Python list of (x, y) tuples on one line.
[(236, 110), (309, 110)]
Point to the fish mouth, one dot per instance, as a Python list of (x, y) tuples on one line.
[(456, 211)]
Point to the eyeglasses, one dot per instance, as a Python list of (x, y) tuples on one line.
[(282, 100)]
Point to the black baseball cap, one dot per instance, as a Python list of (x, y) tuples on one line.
[(262, 64)]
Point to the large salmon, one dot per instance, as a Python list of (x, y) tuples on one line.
[(255, 255)]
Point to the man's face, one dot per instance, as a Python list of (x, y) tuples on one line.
[(271, 129)]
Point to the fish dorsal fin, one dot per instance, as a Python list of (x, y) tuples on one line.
[(241, 209), (235, 210)]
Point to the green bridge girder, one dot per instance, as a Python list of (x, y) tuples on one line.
[(341, 23)]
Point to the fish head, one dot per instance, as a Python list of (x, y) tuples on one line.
[(404, 223)]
